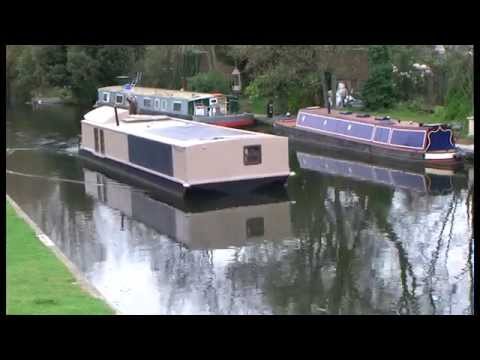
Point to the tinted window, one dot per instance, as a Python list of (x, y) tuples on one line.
[(147, 102), (382, 134), (252, 155), (119, 99), (177, 106), (95, 135), (408, 138)]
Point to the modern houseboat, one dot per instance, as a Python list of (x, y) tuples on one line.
[(220, 224), (383, 137), (183, 155), (216, 109)]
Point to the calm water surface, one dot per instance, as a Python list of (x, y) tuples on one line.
[(346, 237)]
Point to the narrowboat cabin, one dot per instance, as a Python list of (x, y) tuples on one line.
[(383, 137), (216, 109), (184, 156), (220, 225)]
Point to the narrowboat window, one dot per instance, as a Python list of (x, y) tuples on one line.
[(147, 102), (157, 104), (106, 97), (177, 106), (252, 155), (164, 104), (119, 99)]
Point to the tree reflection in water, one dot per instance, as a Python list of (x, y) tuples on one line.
[(352, 247)]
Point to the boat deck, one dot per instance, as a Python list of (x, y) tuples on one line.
[(169, 130), (194, 131), (368, 119), (148, 91)]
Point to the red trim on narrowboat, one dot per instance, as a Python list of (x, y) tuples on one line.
[(236, 123)]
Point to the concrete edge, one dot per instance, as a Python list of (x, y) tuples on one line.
[(45, 240)]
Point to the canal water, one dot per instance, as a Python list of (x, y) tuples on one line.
[(345, 237)]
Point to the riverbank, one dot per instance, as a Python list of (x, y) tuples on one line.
[(37, 282)]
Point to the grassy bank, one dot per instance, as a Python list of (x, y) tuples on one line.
[(37, 282)]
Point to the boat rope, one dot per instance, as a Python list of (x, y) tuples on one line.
[(51, 178), (84, 182), (10, 151)]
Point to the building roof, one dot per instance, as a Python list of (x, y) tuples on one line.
[(148, 91)]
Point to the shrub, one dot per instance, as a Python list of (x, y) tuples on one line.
[(378, 89), (209, 82)]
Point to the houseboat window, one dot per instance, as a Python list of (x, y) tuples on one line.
[(95, 136), (164, 104), (156, 104), (177, 106), (119, 99), (106, 97), (147, 102), (252, 155), (102, 142)]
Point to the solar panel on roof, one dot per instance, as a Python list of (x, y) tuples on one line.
[(194, 132)]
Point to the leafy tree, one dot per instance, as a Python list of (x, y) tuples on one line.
[(84, 73), (52, 64), (378, 89), (28, 74), (459, 100), (210, 82), (114, 61)]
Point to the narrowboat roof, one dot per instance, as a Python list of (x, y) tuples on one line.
[(148, 91), (364, 119), (166, 129)]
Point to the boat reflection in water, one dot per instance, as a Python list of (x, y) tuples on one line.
[(198, 223), (419, 178)]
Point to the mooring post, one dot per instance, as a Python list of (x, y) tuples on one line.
[(116, 116)]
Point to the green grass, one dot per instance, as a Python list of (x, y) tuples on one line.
[(37, 282)]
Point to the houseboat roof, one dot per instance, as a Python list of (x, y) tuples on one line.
[(174, 131), (148, 91), (364, 119)]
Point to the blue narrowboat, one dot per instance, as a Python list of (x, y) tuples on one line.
[(383, 137)]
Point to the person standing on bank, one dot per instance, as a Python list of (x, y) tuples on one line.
[(270, 109)]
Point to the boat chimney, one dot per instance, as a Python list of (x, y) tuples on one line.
[(116, 116)]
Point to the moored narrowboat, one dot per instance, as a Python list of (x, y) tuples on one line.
[(216, 109), (383, 137), (184, 156)]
